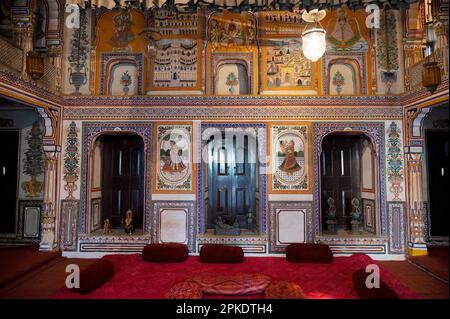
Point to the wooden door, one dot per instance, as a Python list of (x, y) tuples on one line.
[(438, 184), (231, 178), (8, 180), (122, 178), (340, 167)]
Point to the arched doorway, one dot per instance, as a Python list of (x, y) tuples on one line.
[(348, 185), (117, 182)]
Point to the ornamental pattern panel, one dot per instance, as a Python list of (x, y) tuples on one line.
[(304, 212), (174, 207)]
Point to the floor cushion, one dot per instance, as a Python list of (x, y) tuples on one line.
[(215, 253), (284, 290), (239, 284), (309, 253), (185, 290), (95, 276), (359, 284), (165, 253)]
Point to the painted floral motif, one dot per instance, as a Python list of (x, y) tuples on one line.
[(394, 161), (290, 158), (174, 158), (79, 54), (387, 51), (125, 81), (71, 160), (232, 81), (338, 81)]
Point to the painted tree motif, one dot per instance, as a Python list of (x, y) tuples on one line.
[(71, 160), (232, 81), (34, 161)]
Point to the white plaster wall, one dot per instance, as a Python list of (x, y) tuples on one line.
[(174, 225)]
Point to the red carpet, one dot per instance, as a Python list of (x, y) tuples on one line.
[(137, 279)]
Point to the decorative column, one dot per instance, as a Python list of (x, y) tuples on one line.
[(23, 36), (416, 243), (48, 218), (55, 55)]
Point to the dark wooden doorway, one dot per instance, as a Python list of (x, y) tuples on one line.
[(122, 178), (341, 175), (438, 183), (8, 180), (231, 177)]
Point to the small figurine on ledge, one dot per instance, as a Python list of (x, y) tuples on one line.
[(128, 223), (106, 226), (356, 216)]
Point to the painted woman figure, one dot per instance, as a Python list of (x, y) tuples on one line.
[(289, 165), (176, 162)]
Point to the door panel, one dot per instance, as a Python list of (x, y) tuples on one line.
[(231, 179), (8, 180), (122, 178), (340, 175), (438, 181)]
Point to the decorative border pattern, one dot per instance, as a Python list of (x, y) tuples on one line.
[(262, 182), (69, 214), (156, 219), (375, 131), (397, 229), (369, 203), (274, 246), (90, 131)]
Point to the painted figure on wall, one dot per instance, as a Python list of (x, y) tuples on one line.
[(123, 34), (174, 158), (231, 34), (289, 158), (343, 29), (174, 163), (290, 164)]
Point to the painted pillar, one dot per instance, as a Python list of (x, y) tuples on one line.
[(416, 242), (49, 218)]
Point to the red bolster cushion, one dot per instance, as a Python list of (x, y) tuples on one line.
[(216, 253), (309, 253), (284, 290), (239, 284), (359, 284), (165, 253), (95, 276)]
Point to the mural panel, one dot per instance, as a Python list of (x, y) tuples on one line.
[(290, 166), (174, 157)]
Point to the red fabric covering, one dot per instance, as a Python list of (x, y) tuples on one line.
[(185, 290), (309, 253), (359, 283), (25, 260), (95, 276), (284, 290), (165, 253), (215, 253), (135, 278), (239, 284)]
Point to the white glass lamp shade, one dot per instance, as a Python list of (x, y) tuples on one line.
[(314, 43)]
